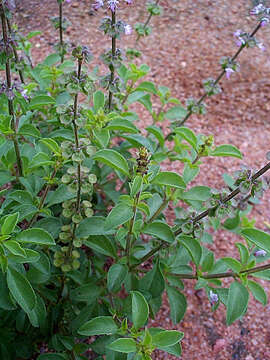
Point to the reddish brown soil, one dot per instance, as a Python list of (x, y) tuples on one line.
[(185, 48)]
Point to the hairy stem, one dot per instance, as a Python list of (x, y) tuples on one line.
[(131, 224), (113, 57), (61, 30), (223, 275), (43, 198), (15, 52), (9, 86), (200, 217), (76, 135)]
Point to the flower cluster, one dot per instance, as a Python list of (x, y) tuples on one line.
[(230, 66), (112, 4), (245, 39), (213, 297), (11, 92), (211, 87), (259, 253), (262, 12), (194, 107)]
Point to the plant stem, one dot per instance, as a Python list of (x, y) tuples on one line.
[(113, 57), (223, 275), (43, 198), (200, 217), (15, 52), (75, 129), (9, 86), (147, 22), (163, 205), (129, 235), (61, 30), (220, 76)]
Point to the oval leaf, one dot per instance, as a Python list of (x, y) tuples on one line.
[(168, 178), (102, 325), (35, 236), (123, 345), (116, 276), (160, 230), (21, 290), (237, 302), (119, 215), (178, 304), (140, 310), (41, 100), (257, 291), (257, 237), (227, 150), (167, 338), (113, 159), (188, 135)]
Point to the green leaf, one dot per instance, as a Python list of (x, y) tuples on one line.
[(29, 130), (40, 159), (38, 315), (237, 302), (140, 310), (102, 136), (52, 59), (147, 86), (176, 113), (167, 338), (136, 185), (243, 251), (257, 237), (233, 264), (160, 230), (122, 125), (190, 172), (41, 100), (135, 96), (113, 159), (116, 276), (102, 325), (123, 345), (9, 224), (193, 247), (226, 150), (14, 247), (146, 102), (188, 135), (39, 272), (157, 132), (59, 195), (98, 100), (178, 304), (119, 215), (138, 141), (21, 290), (101, 244), (52, 145), (31, 256), (197, 193), (35, 236), (257, 291), (94, 225), (168, 178)]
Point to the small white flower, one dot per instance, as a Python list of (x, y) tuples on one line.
[(213, 297), (113, 4), (229, 72), (261, 46), (128, 29), (257, 9), (259, 253)]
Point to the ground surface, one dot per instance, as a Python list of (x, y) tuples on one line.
[(185, 48)]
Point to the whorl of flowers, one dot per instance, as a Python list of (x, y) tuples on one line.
[(112, 4)]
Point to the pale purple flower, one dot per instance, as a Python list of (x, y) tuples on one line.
[(129, 2), (98, 4), (24, 94), (213, 298), (261, 46), (68, 1), (239, 39), (259, 253), (128, 29), (229, 72), (113, 4), (264, 21), (257, 9)]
